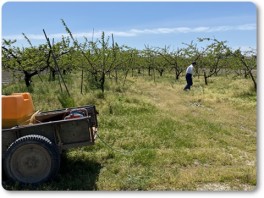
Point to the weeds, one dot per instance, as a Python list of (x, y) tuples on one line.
[(66, 100)]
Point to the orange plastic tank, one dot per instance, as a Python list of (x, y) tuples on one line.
[(16, 109)]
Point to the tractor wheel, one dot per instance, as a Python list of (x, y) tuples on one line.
[(31, 159)]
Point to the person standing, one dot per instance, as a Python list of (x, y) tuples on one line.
[(189, 73)]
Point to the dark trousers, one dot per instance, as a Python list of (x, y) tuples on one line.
[(189, 81)]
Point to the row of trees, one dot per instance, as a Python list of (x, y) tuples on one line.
[(102, 58)]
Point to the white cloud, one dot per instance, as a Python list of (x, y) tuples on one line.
[(247, 27), (138, 32)]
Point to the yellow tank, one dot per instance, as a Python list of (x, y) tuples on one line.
[(16, 109)]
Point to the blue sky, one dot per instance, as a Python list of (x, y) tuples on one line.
[(135, 24)]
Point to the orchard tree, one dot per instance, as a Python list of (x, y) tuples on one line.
[(148, 57), (174, 59), (128, 60), (160, 64), (248, 59), (30, 61), (213, 56), (101, 57)]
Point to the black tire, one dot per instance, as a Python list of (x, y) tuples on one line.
[(31, 159)]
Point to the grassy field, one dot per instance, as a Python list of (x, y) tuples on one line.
[(155, 136)]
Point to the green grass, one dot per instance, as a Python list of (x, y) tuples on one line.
[(155, 136)]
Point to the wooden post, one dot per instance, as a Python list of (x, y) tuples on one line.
[(55, 61)]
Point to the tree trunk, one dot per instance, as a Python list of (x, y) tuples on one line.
[(253, 79), (82, 83), (161, 72), (102, 82), (205, 78), (27, 78), (149, 69), (52, 74), (177, 74), (116, 78)]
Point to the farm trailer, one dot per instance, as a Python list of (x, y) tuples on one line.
[(31, 153)]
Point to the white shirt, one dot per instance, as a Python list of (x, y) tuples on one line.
[(189, 70)]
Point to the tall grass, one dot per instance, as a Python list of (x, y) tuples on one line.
[(155, 136)]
